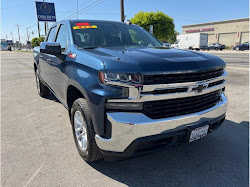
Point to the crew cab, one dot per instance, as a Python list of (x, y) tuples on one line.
[(127, 94)]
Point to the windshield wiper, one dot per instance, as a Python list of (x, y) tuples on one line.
[(92, 47)]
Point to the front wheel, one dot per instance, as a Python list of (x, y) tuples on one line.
[(237, 49), (83, 131), (216, 49)]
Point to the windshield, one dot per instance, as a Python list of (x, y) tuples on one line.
[(105, 34)]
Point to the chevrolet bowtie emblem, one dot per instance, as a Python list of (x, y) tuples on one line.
[(200, 87)]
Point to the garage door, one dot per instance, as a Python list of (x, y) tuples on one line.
[(244, 37), (228, 39), (211, 38)]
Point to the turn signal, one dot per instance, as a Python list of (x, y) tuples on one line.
[(101, 77)]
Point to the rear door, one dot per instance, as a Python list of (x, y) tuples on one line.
[(46, 72)]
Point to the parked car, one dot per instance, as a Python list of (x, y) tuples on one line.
[(166, 44), (242, 47), (215, 46), (125, 93)]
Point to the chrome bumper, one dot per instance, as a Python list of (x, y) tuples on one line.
[(127, 127)]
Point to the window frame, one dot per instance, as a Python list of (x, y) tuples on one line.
[(50, 32), (67, 41)]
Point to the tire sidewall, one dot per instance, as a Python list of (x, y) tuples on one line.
[(77, 107), (37, 77)]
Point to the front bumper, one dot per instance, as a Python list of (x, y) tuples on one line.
[(128, 127)]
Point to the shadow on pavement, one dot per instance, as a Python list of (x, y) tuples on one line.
[(220, 159), (52, 98)]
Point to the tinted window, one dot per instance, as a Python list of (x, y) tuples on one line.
[(62, 37), (111, 35), (52, 33)]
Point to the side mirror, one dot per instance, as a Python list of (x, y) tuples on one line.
[(53, 48)]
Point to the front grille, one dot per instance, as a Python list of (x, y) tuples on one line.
[(180, 106), (181, 77), (167, 91), (216, 83)]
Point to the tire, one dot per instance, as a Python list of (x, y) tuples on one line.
[(42, 90), (208, 49), (216, 49), (237, 48), (221, 49), (82, 127)]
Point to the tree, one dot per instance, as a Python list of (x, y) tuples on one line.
[(36, 41), (174, 37), (162, 23), (41, 39)]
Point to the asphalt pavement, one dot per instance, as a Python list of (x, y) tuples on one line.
[(37, 146)]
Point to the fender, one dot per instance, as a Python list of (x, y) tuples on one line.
[(97, 117)]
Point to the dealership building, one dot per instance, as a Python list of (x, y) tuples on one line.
[(229, 32)]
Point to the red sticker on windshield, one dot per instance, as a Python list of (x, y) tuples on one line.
[(82, 24)]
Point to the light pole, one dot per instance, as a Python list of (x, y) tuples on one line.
[(18, 34), (122, 11), (28, 38)]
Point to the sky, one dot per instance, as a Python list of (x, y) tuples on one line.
[(183, 12)]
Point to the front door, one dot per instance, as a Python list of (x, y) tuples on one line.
[(57, 64)]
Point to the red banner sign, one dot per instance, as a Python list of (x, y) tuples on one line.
[(200, 30)]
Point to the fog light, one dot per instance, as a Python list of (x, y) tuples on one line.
[(124, 106)]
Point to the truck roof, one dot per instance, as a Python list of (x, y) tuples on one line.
[(103, 21), (86, 20)]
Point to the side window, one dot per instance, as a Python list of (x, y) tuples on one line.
[(52, 33), (62, 37), (134, 36)]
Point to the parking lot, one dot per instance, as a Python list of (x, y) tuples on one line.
[(37, 146)]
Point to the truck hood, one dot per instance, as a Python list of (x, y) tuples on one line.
[(154, 60)]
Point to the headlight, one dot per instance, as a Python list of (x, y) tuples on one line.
[(121, 77)]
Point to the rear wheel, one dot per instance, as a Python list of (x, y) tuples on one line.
[(83, 131), (237, 48), (216, 49), (42, 90)]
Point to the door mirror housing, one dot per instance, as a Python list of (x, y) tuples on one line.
[(53, 48)]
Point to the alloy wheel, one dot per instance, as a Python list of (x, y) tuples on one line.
[(80, 130)]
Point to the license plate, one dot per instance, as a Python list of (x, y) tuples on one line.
[(198, 133)]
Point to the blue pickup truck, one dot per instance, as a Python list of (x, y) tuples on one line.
[(127, 94)]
